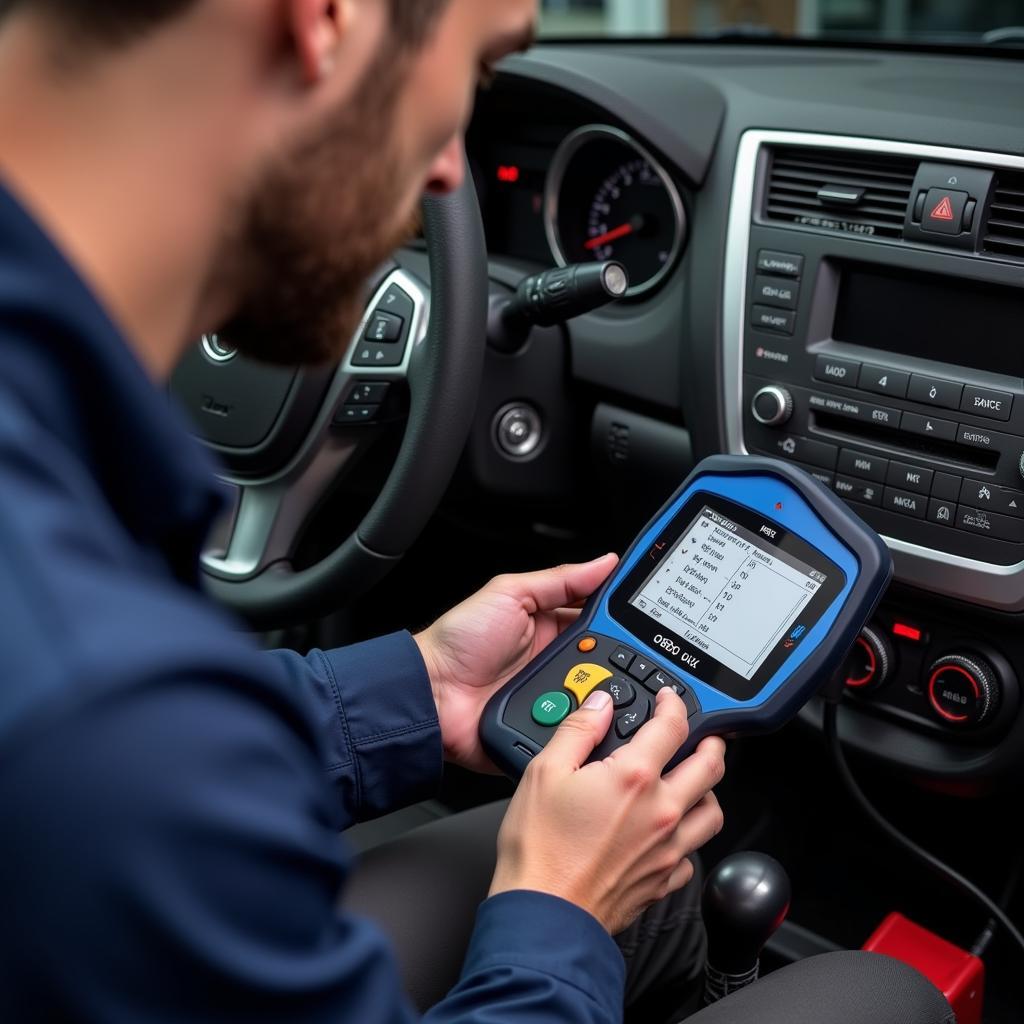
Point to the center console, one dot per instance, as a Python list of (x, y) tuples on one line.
[(872, 322)]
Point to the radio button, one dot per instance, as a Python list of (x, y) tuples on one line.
[(786, 263), (990, 524), (767, 319), (942, 512), (906, 504), (913, 478), (820, 475), (928, 426), (946, 487), (776, 291), (976, 437), (858, 490), (932, 391), (802, 449), (884, 382), (870, 467), (837, 371), (994, 405), (881, 416), (981, 495)]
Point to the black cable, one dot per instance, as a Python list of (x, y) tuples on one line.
[(981, 943), (941, 869)]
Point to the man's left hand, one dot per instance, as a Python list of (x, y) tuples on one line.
[(479, 645)]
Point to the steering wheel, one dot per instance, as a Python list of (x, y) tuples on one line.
[(249, 565)]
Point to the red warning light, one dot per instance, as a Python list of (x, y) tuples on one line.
[(907, 632), (944, 211), (508, 173), (778, 506)]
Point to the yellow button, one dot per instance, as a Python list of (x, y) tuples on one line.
[(586, 645), (581, 679)]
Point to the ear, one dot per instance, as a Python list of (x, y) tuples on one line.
[(317, 28)]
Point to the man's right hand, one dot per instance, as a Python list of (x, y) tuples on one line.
[(613, 836)]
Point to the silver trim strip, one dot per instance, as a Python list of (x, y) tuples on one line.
[(997, 586), (570, 146), (271, 511)]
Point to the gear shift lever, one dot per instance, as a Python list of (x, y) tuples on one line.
[(745, 900)]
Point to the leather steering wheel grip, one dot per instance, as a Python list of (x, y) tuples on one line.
[(444, 378)]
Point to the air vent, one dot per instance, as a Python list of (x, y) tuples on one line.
[(840, 190), (1003, 232)]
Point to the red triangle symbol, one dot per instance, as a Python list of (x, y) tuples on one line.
[(944, 211)]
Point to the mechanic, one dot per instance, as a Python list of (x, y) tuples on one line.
[(172, 796)]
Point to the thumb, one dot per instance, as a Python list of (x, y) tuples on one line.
[(565, 586), (581, 732)]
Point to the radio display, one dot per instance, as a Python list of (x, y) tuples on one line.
[(726, 594), (944, 319)]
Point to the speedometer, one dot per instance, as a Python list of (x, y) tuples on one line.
[(607, 198)]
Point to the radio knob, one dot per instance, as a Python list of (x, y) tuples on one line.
[(772, 406), (963, 690), (870, 662)]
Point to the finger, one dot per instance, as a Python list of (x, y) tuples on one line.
[(561, 587), (681, 876), (658, 740), (566, 617), (699, 773), (699, 825), (575, 739)]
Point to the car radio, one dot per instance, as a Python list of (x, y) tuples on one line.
[(873, 320)]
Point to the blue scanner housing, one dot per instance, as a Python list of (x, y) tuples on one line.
[(807, 525)]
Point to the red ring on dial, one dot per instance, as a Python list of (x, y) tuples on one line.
[(931, 691), (872, 662)]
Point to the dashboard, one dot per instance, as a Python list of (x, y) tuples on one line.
[(826, 259)]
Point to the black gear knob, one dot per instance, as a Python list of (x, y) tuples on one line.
[(745, 899)]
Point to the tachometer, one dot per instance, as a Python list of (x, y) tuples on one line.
[(607, 198)]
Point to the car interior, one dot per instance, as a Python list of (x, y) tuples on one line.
[(782, 228)]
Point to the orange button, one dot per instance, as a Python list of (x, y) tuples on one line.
[(586, 645)]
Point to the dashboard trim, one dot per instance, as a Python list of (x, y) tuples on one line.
[(982, 583)]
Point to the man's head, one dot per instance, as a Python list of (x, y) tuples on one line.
[(343, 112)]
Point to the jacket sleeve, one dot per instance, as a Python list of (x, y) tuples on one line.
[(171, 853), (376, 713)]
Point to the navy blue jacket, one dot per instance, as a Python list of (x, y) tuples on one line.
[(171, 797)]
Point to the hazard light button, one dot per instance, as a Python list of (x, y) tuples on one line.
[(944, 211)]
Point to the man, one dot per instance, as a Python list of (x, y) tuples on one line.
[(172, 796)]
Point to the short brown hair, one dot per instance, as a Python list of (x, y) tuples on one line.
[(119, 21)]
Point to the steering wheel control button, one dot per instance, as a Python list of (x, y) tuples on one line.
[(943, 211), (882, 381), (787, 264), (993, 405), (772, 406), (868, 467), (906, 504), (622, 657), (550, 708), (378, 354), (766, 318), (963, 690), (586, 645), (384, 327), (621, 690), (628, 722), (932, 391), (641, 668), (836, 371), (870, 661), (912, 478), (215, 349), (518, 431), (352, 415), (397, 303), (583, 678), (368, 394)]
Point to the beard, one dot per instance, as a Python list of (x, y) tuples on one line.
[(316, 227)]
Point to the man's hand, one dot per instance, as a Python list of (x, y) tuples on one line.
[(482, 643), (613, 836)]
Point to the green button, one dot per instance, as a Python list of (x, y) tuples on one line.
[(551, 708)]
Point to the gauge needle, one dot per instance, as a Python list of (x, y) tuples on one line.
[(611, 236)]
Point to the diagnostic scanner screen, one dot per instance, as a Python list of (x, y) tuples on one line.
[(722, 590)]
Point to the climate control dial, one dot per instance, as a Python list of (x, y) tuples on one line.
[(772, 406), (870, 662), (963, 689)]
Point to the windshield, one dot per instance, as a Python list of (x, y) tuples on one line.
[(965, 22)]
